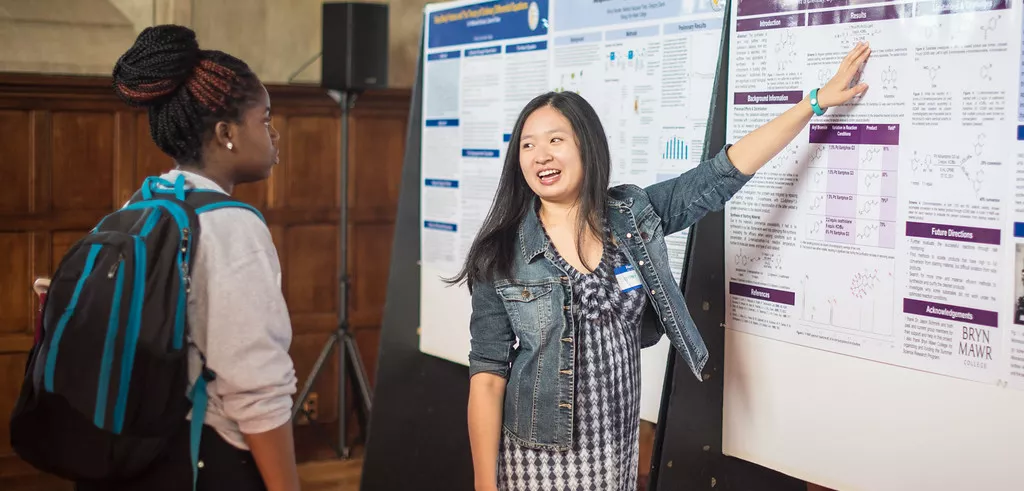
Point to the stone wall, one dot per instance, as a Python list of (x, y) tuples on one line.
[(275, 37)]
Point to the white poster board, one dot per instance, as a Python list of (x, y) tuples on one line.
[(872, 269)]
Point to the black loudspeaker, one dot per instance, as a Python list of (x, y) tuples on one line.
[(354, 46)]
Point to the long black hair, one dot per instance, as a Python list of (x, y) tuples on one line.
[(187, 90), (491, 254)]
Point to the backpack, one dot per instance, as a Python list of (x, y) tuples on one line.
[(106, 385)]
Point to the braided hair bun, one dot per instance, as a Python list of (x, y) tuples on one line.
[(161, 60), (187, 90)]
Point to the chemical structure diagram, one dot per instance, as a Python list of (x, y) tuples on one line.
[(819, 151), (868, 230), (990, 26), (921, 164), (867, 207), (817, 202), (815, 227), (818, 176), (889, 79), (786, 156), (985, 72), (824, 75), (948, 166), (870, 155), (850, 36), (785, 50), (949, 32), (864, 283), (932, 73), (767, 259), (870, 179)]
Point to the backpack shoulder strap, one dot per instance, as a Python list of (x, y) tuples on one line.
[(201, 200), (204, 200)]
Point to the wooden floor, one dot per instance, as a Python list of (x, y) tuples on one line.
[(331, 475), (327, 475)]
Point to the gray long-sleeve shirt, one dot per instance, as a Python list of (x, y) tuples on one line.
[(238, 317)]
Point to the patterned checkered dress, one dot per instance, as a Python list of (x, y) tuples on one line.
[(605, 451)]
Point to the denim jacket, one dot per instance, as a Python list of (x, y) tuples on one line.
[(534, 304)]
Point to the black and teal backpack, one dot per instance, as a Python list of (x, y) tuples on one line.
[(106, 385)]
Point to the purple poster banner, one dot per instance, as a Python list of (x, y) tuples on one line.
[(783, 97), (761, 293), (943, 7), (863, 14), (953, 232), (951, 312), (761, 7), (758, 7), (777, 22), (855, 134)]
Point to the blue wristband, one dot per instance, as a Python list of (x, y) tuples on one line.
[(814, 103)]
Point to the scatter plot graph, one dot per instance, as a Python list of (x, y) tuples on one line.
[(857, 299), (850, 195)]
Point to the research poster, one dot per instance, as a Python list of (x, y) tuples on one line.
[(648, 69), (890, 229)]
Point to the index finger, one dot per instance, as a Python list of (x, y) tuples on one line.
[(856, 51), (861, 58)]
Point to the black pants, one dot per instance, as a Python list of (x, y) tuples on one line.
[(222, 466)]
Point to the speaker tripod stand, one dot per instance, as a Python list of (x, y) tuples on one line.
[(350, 363)]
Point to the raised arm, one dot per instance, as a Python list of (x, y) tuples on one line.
[(754, 150), (682, 201), (490, 357)]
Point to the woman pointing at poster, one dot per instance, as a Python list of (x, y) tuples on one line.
[(579, 275)]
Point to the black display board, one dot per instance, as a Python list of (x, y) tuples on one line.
[(688, 442), (417, 437)]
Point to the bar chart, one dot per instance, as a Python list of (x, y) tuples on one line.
[(674, 148)]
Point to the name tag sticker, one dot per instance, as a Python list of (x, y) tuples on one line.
[(628, 278)]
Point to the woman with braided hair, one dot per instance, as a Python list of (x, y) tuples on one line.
[(209, 112)]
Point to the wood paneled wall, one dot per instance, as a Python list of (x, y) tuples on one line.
[(70, 152)]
